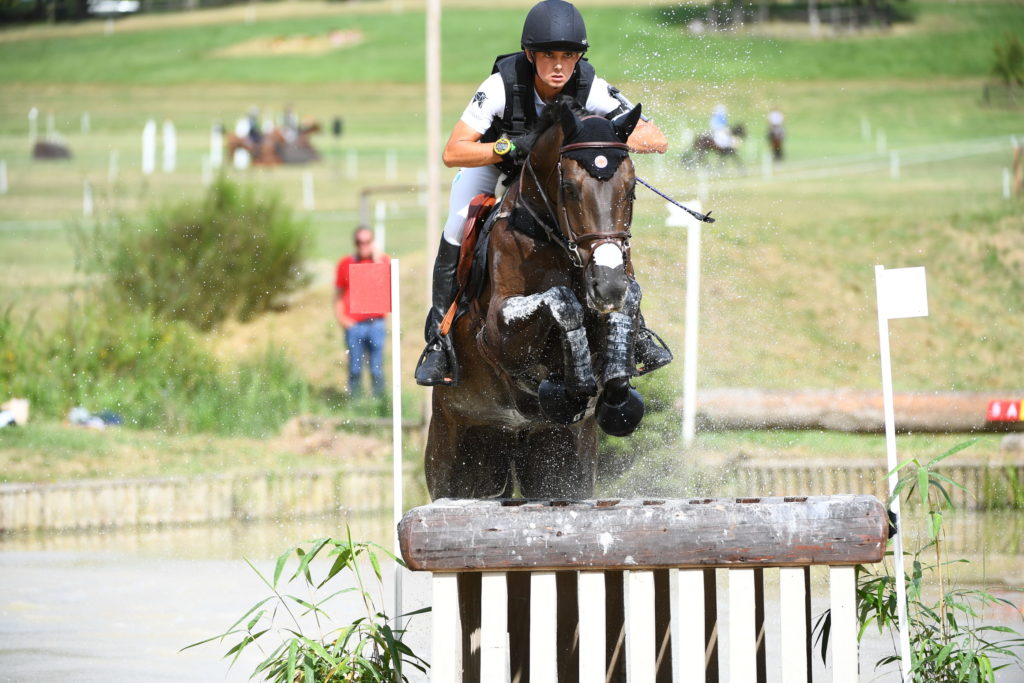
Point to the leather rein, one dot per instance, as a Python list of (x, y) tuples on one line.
[(570, 241)]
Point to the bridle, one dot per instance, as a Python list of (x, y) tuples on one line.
[(570, 240)]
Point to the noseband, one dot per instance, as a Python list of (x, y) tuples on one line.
[(571, 241)]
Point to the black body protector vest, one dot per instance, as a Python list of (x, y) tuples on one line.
[(520, 113)]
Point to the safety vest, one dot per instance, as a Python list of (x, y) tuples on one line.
[(520, 113)]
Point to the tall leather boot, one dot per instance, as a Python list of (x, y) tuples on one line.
[(650, 352), (435, 366)]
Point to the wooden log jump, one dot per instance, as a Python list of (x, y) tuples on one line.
[(625, 590)]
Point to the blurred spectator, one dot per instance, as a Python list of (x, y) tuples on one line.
[(776, 132), (364, 334)]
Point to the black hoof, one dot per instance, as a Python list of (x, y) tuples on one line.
[(559, 404), (621, 419)]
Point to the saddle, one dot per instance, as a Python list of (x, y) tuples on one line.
[(471, 274)]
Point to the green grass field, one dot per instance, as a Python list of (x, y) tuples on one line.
[(787, 299)]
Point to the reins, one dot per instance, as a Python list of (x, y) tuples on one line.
[(571, 242)]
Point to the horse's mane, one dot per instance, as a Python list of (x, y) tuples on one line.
[(551, 114)]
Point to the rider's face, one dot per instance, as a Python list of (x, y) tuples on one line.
[(554, 67)]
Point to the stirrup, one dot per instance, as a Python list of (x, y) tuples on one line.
[(440, 344), (656, 347)]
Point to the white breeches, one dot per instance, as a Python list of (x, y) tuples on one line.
[(468, 183)]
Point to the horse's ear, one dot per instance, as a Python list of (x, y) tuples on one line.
[(570, 122), (624, 125)]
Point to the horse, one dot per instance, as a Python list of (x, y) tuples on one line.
[(275, 148), (705, 144), (545, 349)]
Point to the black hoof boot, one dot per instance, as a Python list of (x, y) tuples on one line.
[(620, 419), (438, 364), (650, 352)]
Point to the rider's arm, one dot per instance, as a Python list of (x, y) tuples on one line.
[(464, 149), (647, 138)]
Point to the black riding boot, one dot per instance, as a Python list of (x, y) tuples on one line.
[(435, 367), (650, 352)]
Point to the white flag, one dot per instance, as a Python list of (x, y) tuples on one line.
[(902, 292)]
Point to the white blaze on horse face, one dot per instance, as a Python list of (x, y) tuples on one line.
[(608, 255)]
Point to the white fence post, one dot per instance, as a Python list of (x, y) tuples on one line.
[(87, 203), (86, 123), (216, 147), (1006, 183), (843, 636), (170, 147), (894, 165), (308, 198), (391, 166), (149, 147), (591, 600), (640, 646), (351, 164), (446, 640), (543, 628), (794, 599), (3, 176), (494, 647)]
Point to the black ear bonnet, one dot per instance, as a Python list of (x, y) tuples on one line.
[(600, 162)]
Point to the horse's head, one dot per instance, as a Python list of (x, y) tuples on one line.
[(580, 174)]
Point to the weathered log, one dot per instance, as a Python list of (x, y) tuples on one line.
[(501, 535), (849, 411)]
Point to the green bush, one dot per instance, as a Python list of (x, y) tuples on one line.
[(229, 254), (154, 373)]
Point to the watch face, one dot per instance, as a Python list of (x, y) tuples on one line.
[(502, 146)]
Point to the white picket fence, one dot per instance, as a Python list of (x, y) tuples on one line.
[(581, 616)]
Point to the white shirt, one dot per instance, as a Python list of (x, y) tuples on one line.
[(489, 102)]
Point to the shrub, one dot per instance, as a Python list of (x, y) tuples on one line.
[(229, 254), (1009, 61), (152, 372)]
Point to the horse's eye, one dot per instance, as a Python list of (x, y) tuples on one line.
[(571, 190)]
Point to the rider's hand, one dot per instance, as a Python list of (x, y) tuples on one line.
[(522, 144)]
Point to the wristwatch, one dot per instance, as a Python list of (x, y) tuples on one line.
[(503, 146)]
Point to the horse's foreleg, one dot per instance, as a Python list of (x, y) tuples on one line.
[(621, 326), (558, 306)]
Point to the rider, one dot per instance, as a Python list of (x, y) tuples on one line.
[(489, 140), (720, 128)]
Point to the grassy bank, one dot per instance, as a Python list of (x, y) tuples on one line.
[(787, 271)]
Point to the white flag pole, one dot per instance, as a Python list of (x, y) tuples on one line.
[(890, 444), (396, 427), (693, 233)]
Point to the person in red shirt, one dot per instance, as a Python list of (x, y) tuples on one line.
[(364, 333)]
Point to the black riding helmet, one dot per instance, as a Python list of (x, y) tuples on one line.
[(555, 25)]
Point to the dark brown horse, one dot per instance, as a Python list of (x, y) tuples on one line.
[(546, 349)]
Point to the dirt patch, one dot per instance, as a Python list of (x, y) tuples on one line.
[(279, 46)]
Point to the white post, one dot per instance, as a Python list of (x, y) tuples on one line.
[(446, 632), (494, 646), (793, 634), (149, 148), (543, 628), (895, 299), (108, 27), (693, 235), (86, 123), (308, 199), (433, 107), (591, 600), (380, 211), (113, 166), (51, 127), (641, 650), (894, 165), (1006, 183), (351, 164), (87, 204), (742, 627), (391, 166), (207, 171), (170, 147), (686, 590), (843, 640), (880, 142), (33, 125), (3, 176), (396, 427), (766, 164), (216, 147), (865, 128)]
